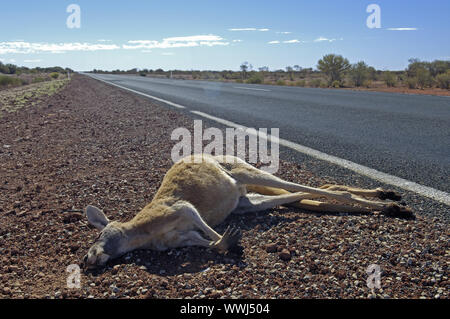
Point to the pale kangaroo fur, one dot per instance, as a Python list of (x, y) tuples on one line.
[(195, 197)]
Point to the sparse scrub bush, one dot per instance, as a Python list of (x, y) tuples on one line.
[(301, 83), (336, 84), (239, 81), (424, 78), (38, 79), (443, 80), (390, 79), (323, 85), (255, 79), (315, 83), (334, 66), (6, 81), (412, 82), (54, 75), (281, 82), (359, 73)]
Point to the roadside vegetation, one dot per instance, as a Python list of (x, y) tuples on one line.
[(16, 98), (21, 86), (332, 71), (15, 76)]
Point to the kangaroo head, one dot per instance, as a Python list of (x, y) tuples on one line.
[(108, 244)]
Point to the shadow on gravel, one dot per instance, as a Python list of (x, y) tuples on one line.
[(193, 260)]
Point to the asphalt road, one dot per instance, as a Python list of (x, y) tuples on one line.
[(407, 136)]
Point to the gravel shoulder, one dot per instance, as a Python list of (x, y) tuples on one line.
[(90, 143)]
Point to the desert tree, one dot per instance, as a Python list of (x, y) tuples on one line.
[(389, 78), (359, 73), (244, 68), (334, 66), (290, 70)]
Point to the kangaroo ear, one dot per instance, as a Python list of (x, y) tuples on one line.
[(96, 217)]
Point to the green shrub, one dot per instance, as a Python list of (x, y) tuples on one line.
[(281, 82), (142, 73), (239, 81), (412, 82), (38, 79), (424, 78), (323, 85), (10, 81), (54, 75), (359, 73), (255, 79), (301, 83), (334, 66), (336, 84), (390, 79), (316, 83), (443, 80)]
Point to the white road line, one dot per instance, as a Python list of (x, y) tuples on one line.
[(426, 191), (244, 88), (140, 93)]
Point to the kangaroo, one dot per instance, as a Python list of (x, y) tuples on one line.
[(201, 191)]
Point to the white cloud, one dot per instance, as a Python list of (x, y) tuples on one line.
[(177, 42), (288, 41), (42, 47), (167, 53), (284, 32), (23, 47), (402, 29), (323, 39), (237, 40), (32, 61), (249, 29)]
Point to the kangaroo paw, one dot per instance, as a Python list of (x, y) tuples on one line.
[(389, 195), (395, 210), (230, 238)]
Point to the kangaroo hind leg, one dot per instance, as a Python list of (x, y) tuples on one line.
[(222, 243), (246, 174)]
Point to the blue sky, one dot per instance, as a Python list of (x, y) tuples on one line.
[(217, 35)]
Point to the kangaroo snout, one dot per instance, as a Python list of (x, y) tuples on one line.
[(95, 258)]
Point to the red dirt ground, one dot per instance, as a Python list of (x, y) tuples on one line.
[(94, 144)]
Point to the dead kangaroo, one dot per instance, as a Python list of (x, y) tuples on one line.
[(200, 193)]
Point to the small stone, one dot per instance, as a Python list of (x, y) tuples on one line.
[(271, 248), (115, 269), (114, 288), (285, 255)]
